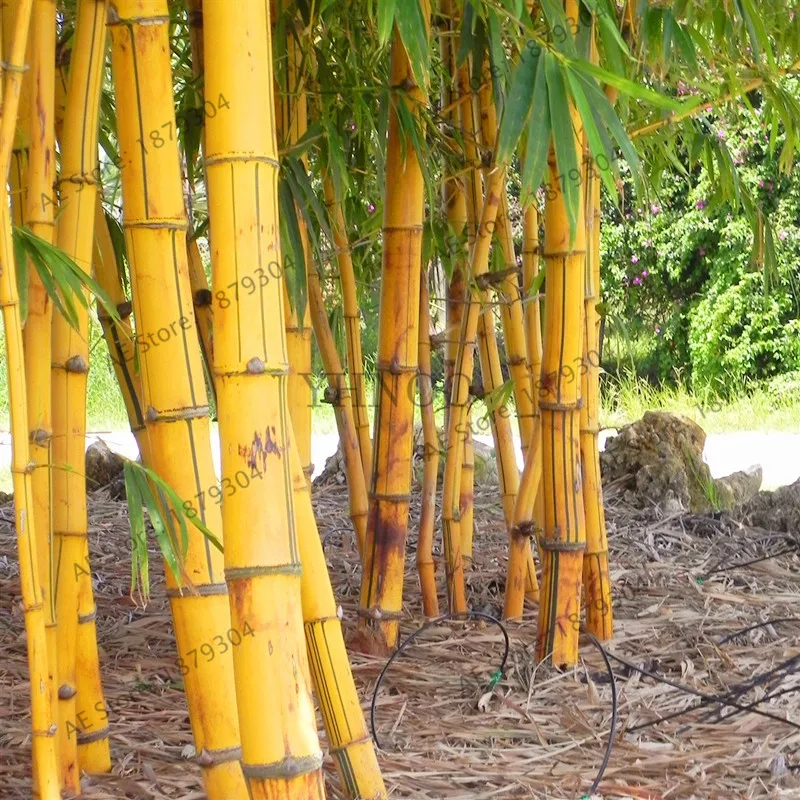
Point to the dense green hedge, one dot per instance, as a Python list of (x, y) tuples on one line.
[(678, 272)]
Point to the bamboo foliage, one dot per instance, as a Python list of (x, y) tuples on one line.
[(173, 386), (82, 713), (280, 750), (43, 723)]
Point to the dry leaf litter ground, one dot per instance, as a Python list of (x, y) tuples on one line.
[(543, 733)]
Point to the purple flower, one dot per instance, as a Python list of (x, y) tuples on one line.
[(783, 236), (700, 205), (761, 184), (720, 134), (655, 209), (682, 88), (637, 281), (658, 330), (645, 273), (371, 208), (634, 259)]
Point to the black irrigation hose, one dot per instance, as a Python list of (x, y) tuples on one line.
[(726, 639), (498, 674), (614, 714), (750, 563), (708, 698), (333, 531), (743, 687), (493, 681)]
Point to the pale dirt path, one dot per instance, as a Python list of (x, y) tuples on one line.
[(777, 452)]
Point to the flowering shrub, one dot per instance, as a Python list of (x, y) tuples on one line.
[(678, 271)]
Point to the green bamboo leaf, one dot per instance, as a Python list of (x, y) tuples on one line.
[(633, 89), (560, 29), (606, 112), (466, 42), (538, 281), (413, 29), (497, 61), (518, 105), (385, 20), (306, 198), (685, 44), (293, 251), (563, 139), (177, 505), (68, 275), (139, 559), (21, 262), (596, 144), (171, 555), (539, 135)]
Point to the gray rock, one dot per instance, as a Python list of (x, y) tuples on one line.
[(658, 461), (103, 466)]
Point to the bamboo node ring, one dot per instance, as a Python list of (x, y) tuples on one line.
[(255, 366), (41, 437), (8, 67), (66, 692), (77, 365), (94, 736), (208, 758), (289, 767)]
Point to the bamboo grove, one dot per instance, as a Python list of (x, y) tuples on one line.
[(215, 202)]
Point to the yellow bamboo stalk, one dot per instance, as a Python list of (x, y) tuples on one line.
[(173, 386), (352, 326), (523, 527), (563, 539), (293, 123), (516, 349), (511, 312), (201, 299), (201, 295), (350, 744), (596, 580), (459, 210), (280, 749), (119, 336), (18, 174), (36, 335), (43, 723), (426, 566), (466, 113), (533, 327), (339, 396), (466, 489), (398, 342), (83, 729), (457, 434)]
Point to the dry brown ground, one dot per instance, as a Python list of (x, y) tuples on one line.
[(543, 734)]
